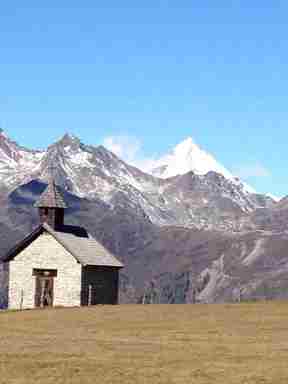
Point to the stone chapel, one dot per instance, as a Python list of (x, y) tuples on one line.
[(58, 264)]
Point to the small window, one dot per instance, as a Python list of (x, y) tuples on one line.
[(44, 272)]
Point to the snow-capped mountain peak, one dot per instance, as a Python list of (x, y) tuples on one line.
[(2, 133), (68, 140), (188, 156)]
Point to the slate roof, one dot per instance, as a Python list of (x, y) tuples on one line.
[(52, 197), (83, 246), (77, 241)]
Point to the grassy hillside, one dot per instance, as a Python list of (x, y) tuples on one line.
[(246, 343)]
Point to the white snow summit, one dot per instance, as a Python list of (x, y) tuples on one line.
[(188, 156)]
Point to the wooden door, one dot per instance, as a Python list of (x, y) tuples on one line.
[(44, 293)]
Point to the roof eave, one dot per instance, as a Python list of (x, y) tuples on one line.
[(104, 266)]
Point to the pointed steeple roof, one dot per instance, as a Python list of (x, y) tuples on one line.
[(52, 197)]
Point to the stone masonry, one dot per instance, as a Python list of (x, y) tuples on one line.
[(44, 253)]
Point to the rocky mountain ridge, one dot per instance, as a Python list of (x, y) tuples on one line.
[(209, 201)]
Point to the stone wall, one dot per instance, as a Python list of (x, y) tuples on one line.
[(44, 253)]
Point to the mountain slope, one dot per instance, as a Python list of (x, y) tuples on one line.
[(16, 163), (170, 263)]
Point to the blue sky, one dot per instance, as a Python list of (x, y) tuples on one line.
[(156, 71)]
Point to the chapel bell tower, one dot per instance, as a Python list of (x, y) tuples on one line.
[(51, 205)]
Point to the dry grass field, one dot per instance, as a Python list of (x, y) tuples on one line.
[(246, 343)]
